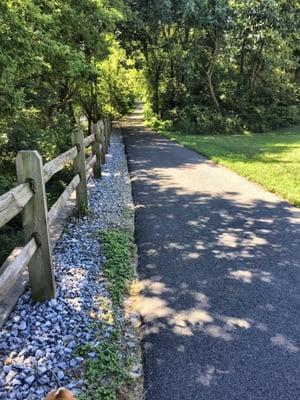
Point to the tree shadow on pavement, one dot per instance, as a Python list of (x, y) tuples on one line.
[(220, 276)]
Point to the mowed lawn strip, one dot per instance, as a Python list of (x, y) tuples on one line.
[(270, 159)]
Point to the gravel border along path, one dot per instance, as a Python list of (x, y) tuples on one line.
[(37, 342)]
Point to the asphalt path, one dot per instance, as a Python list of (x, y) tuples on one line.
[(219, 264)]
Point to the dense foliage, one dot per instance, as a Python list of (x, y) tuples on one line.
[(59, 66), (219, 65), (51, 72)]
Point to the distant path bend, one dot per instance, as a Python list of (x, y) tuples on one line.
[(219, 260)]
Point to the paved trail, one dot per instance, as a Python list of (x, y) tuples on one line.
[(219, 260)]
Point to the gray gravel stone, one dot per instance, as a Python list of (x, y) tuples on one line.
[(22, 326), (30, 380), (41, 338), (60, 375)]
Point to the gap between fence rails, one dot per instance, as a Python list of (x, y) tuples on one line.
[(29, 197)]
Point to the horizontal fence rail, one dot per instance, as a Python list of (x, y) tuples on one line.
[(29, 197), (13, 202), (89, 140), (56, 165), (15, 263), (90, 162), (63, 198)]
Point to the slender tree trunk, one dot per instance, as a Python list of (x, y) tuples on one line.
[(156, 96), (210, 72), (156, 81), (212, 92)]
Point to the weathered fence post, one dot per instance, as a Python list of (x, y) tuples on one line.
[(102, 138), (79, 168), (108, 129), (106, 134), (35, 223), (97, 150)]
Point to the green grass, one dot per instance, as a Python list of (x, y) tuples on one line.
[(270, 159)]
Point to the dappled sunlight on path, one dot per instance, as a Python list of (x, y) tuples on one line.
[(219, 264)]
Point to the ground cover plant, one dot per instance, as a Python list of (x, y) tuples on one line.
[(109, 372)]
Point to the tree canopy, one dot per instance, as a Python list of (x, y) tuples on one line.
[(60, 66), (218, 65), (50, 69)]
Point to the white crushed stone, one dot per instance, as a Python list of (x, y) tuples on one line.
[(40, 339)]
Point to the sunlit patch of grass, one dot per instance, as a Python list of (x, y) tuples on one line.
[(270, 159)]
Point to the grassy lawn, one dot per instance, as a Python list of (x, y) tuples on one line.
[(270, 159)]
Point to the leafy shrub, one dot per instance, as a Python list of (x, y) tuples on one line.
[(31, 130), (263, 118), (204, 120), (199, 119)]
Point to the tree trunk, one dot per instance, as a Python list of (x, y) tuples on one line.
[(210, 71), (212, 92), (156, 80)]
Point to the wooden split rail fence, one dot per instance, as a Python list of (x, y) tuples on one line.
[(29, 197)]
